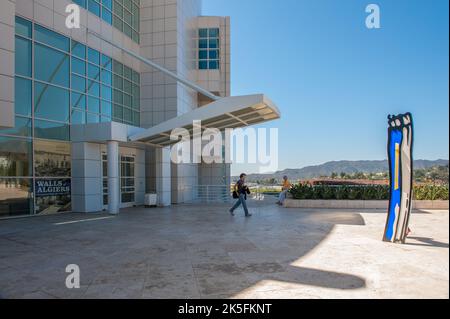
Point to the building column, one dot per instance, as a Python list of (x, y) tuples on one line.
[(163, 177), (113, 177)]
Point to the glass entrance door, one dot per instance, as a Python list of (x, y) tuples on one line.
[(127, 180)]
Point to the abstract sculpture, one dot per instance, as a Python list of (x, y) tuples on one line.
[(400, 147)]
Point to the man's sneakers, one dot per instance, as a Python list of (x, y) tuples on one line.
[(231, 212), (248, 215)]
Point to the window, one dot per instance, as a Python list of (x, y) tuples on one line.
[(94, 72), (52, 159), (92, 118), (126, 17), (81, 3), (106, 77), (106, 93), (15, 156), (23, 57), (94, 56), (78, 50), (78, 117), (51, 102), (93, 105), (23, 96), (51, 66), (51, 130), (79, 101), (93, 88), (22, 127), (94, 7), (17, 200), (107, 109), (78, 83), (23, 27), (209, 53), (68, 79), (106, 62), (78, 66), (51, 38)]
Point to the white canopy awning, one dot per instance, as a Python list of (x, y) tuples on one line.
[(227, 112)]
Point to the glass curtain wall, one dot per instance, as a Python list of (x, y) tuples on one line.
[(124, 15), (58, 82)]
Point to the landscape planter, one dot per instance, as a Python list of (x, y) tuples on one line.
[(361, 204)]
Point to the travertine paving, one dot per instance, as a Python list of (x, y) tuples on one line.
[(200, 251)]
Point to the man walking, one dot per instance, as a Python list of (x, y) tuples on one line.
[(242, 190)]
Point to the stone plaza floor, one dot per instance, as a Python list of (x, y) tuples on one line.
[(200, 251)]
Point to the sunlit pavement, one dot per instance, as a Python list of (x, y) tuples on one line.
[(200, 251)]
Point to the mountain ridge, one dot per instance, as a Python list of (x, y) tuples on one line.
[(348, 167)]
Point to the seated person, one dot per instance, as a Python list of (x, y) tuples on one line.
[(284, 189)]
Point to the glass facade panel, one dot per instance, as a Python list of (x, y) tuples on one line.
[(78, 83), (51, 102), (92, 118), (51, 66), (52, 73), (78, 66), (106, 77), (23, 57), (23, 27), (93, 88), (23, 96), (22, 127), (52, 159), (51, 38), (78, 50), (106, 93), (107, 109), (106, 62), (122, 14), (94, 7), (79, 100), (93, 104), (81, 3), (93, 56), (93, 72), (15, 156), (78, 117), (15, 197), (51, 130), (53, 203)]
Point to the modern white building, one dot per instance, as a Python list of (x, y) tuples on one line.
[(86, 113)]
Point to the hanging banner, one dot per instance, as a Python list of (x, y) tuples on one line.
[(52, 187)]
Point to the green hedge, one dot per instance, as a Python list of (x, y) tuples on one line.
[(365, 192)]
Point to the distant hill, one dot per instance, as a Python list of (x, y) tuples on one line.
[(348, 167)]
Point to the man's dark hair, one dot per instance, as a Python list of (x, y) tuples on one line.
[(242, 175)]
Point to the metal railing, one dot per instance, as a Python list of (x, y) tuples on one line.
[(211, 194), (221, 194)]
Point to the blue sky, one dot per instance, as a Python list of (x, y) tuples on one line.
[(335, 81)]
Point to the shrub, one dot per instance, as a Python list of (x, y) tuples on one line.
[(365, 192)]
